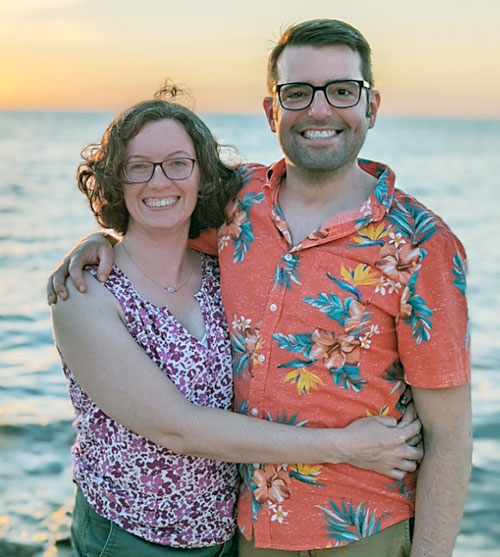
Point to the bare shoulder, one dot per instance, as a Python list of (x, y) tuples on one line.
[(96, 298)]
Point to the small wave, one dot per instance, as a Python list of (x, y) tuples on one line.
[(16, 317), (20, 549), (38, 442), (38, 537)]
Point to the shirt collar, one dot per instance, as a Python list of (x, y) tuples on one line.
[(375, 207)]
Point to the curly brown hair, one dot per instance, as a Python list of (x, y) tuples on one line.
[(100, 175)]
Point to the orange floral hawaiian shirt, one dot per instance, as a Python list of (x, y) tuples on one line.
[(329, 331)]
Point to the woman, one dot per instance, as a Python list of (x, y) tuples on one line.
[(157, 179)]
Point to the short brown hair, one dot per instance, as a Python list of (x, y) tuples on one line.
[(318, 33)]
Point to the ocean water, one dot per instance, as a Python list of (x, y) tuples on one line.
[(451, 165)]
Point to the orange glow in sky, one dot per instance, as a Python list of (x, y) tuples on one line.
[(436, 58)]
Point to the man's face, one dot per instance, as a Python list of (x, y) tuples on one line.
[(321, 138)]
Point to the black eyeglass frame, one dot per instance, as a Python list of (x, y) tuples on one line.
[(362, 84), (160, 164)]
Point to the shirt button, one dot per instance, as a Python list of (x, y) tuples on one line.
[(255, 411), (261, 358), (273, 307), (288, 257)]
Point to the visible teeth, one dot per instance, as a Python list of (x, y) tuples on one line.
[(319, 134), (160, 202)]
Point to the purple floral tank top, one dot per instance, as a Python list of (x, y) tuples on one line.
[(168, 499)]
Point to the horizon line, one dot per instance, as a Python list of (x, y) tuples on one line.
[(243, 113)]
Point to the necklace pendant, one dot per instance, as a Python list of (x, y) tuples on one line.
[(170, 289)]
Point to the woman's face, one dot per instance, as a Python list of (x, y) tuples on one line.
[(161, 202)]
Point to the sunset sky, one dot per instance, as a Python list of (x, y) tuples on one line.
[(431, 57)]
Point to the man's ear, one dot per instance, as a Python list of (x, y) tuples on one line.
[(267, 103), (373, 105)]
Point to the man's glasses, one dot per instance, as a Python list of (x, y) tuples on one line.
[(339, 94), (136, 172)]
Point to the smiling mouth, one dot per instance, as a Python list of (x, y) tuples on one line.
[(320, 134), (161, 202)]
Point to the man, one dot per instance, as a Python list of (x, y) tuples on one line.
[(355, 290)]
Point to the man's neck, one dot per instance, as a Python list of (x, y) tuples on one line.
[(309, 200)]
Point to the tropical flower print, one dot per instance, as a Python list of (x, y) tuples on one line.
[(415, 312), (365, 340), (318, 234), (329, 349), (401, 487), (399, 263), (413, 221), (246, 342), (238, 228), (236, 217), (459, 272), (304, 380), (307, 473), (396, 239), (384, 411), (400, 260), (347, 524), (371, 235), (278, 514), (366, 212), (272, 483), (338, 352), (335, 349), (287, 271), (405, 308), (360, 275), (387, 286), (335, 316), (280, 223), (395, 376)]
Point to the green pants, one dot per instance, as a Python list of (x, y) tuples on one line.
[(95, 536), (394, 541)]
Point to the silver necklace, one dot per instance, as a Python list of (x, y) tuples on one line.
[(170, 288)]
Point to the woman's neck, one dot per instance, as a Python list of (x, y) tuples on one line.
[(165, 260)]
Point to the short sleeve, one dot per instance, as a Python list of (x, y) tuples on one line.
[(432, 327)]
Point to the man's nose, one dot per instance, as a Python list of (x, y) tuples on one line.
[(319, 107)]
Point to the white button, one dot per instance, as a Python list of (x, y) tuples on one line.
[(255, 411), (261, 358), (288, 257), (273, 307)]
